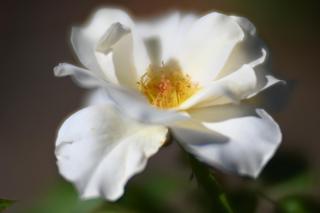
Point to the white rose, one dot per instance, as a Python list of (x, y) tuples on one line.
[(181, 72)]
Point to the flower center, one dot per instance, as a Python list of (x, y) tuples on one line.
[(166, 86)]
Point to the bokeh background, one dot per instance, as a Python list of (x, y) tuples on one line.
[(35, 37)]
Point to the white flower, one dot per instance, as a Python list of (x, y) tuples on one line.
[(181, 72)]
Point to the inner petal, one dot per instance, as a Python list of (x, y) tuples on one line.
[(167, 86)]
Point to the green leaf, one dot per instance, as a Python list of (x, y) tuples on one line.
[(62, 198), (301, 184), (298, 204), (208, 183), (4, 204), (112, 208), (149, 197)]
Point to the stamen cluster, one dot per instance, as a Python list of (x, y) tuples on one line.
[(166, 86)]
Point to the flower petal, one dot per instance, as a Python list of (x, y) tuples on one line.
[(241, 84), (85, 39), (128, 53), (245, 74), (82, 77), (230, 89), (118, 39), (242, 142), (164, 34), (136, 106), (97, 97), (99, 150), (207, 46), (253, 52), (246, 51)]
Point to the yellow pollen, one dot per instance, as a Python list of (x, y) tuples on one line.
[(166, 86)]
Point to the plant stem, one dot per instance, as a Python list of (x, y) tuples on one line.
[(208, 182)]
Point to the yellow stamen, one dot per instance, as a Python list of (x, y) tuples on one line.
[(166, 86)]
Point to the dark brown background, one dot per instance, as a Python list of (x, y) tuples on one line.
[(35, 37)]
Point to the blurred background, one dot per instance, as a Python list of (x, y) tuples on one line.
[(35, 37)]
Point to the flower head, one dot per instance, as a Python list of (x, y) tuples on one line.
[(180, 72)]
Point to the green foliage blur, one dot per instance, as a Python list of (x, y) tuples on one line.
[(285, 186), (4, 204)]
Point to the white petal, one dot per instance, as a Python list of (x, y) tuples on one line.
[(135, 105), (246, 51), (85, 39), (97, 97), (245, 74), (243, 140), (112, 36), (82, 77), (164, 34), (118, 39), (129, 55), (99, 150), (232, 88), (207, 45), (253, 52), (241, 84)]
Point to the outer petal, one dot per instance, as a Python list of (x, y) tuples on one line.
[(246, 51), (128, 52), (243, 83), (97, 97), (82, 77), (118, 39), (207, 45), (252, 52), (135, 105), (85, 39), (242, 139), (245, 73), (232, 88), (99, 150)]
